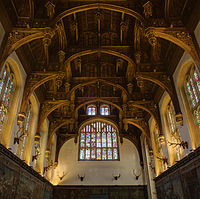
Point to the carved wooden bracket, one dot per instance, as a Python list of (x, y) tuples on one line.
[(141, 124), (54, 126), (20, 36), (179, 36), (151, 108), (34, 80), (48, 107), (161, 79)]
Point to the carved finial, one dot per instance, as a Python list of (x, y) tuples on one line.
[(148, 9), (67, 87), (61, 55), (119, 64), (130, 88), (50, 9), (77, 63)]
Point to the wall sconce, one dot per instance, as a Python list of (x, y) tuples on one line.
[(136, 176), (116, 177), (81, 177)]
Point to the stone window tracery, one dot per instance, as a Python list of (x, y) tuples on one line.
[(98, 141)]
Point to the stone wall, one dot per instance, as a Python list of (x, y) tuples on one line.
[(98, 172), (19, 181), (181, 181)]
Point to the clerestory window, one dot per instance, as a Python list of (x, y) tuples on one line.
[(91, 110), (105, 110)]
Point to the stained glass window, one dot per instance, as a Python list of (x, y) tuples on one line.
[(192, 89), (175, 136), (91, 110), (98, 141), (105, 110), (158, 147), (7, 88), (26, 127)]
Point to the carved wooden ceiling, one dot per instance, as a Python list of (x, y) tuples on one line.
[(98, 52)]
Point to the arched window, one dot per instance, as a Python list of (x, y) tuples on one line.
[(25, 127), (98, 141), (105, 110), (192, 89), (7, 88), (174, 130), (157, 143), (158, 148), (91, 110)]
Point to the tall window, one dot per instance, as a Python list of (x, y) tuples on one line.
[(105, 110), (91, 110), (98, 141), (7, 88), (24, 134), (158, 147), (175, 136), (192, 88)]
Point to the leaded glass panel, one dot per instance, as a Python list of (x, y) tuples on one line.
[(7, 88), (98, 141), (192, 88)]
